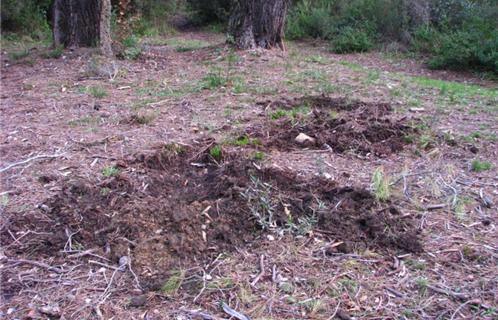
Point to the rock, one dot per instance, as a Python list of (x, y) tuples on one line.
[(138, 301), (304, 139)]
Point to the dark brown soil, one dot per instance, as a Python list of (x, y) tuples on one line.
[(176, 206), (336, 123)]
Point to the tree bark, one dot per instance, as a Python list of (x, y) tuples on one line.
[(105, 28), (258, 23), (82, 23)]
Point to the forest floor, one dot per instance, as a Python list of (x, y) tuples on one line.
[(173, 186)]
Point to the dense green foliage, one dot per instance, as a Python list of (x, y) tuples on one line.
[(454, 34), (27, 17)]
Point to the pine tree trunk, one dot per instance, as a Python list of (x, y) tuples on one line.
[(105, 28), (82, 23), (258, 23)]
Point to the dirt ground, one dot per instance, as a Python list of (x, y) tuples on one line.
[(173, 186)]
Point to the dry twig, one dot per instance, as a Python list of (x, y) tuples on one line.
[(41, 156)]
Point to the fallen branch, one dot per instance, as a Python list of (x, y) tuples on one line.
[(42, 156), (38, 264), (457, 295), (233, 313)]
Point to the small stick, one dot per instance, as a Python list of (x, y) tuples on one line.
[(335, 311), (436, 206), (41, 156), (39, 264), (203, 286), (448, 293), (474, 301), (102, 264), (262, 270), (82, 253)]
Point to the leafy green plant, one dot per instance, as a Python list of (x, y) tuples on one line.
[(132, 50), (352, 39), (278, 114), (380, 185), (258, 155), (133, 53), (479, 166), (261, 203), (110, 171), (216, 152)]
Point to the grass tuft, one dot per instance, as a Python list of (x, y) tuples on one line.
[(110, 171), (380, 185), (479, 166)]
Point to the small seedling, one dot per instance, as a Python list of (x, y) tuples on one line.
[(110, 171), (98, 92), (174, 282), (260, 202), (259, 155), (422, 284), (380, 185), (479, 166), (215, 152), (105, 191), (278, 114)]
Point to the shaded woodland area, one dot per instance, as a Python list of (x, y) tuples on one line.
[(227, 159)]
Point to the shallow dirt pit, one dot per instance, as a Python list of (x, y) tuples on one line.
[(333, 123), (176, 206)]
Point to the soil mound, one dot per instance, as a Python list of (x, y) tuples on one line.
[(336, 123), (176, 206)]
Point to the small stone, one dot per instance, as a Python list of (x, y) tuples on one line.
[(304, 139), (270, 237), (138, 301)]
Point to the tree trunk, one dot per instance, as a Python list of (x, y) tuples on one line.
[(82, 23), (258, 23), (105, 28)]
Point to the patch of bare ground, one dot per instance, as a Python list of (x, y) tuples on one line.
[(114, 203)]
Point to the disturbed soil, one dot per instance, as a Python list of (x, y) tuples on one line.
[(338, 125), (173, 186), (165, 213)]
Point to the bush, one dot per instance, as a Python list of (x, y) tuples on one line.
[(207, 12), (472, 46), (313, 19), (352, 40), (27, 17)]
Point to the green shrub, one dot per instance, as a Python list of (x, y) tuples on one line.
[(352, 40), (28, 17), (132, 50), (310, 19), (55, 53)]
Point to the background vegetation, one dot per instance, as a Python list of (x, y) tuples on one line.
[(449, 34)]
